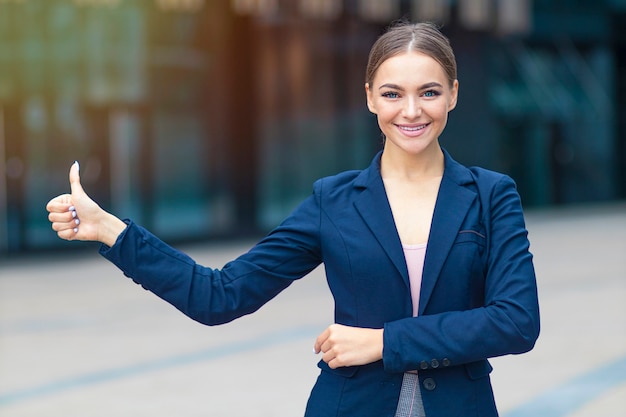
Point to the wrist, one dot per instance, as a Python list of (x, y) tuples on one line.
[(110, 229), (379, 343)]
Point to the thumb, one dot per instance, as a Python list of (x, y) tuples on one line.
[(75, 179)]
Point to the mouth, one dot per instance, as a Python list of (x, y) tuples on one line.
[(412, 129)]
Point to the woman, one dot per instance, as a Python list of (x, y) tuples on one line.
[(428, 261)]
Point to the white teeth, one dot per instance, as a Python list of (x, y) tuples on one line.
[(412, 129)]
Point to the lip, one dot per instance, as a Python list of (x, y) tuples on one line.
[(412, 130)]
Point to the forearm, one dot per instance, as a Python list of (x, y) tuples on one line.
[(209, 296), (459, 337)]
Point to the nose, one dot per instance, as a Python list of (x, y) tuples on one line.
[(412, 108)]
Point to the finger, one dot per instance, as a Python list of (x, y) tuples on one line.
[(75, 179), (334, 359), (330, 360), (59, 204), (67, 234), (61, 217), (61, 226), (321, 339)]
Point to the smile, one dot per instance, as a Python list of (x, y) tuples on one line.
[(412, 128)]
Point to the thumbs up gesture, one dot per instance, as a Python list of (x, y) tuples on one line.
[(76, 216)]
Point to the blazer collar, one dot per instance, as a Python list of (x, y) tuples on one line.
[(374, 208), (453, 201), (453, 171)]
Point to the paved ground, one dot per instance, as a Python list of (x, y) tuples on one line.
[(79, 339)]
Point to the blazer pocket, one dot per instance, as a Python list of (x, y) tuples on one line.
[(477, 370), (344, 371), (471, 236)]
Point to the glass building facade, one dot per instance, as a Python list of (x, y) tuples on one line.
[(210, 118)]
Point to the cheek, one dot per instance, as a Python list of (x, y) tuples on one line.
[(439, 111), (387, 112), (385, 122)]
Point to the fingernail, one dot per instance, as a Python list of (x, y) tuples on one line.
[(77, 165), (72, 208), (77, 221), (76, 230), (74, 214)]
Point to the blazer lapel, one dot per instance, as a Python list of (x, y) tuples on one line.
[(453, 203), (373, 206)]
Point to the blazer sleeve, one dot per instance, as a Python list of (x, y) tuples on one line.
[(507, 323), (242, 286)]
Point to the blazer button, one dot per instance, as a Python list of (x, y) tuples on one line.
[(423, 365), (445, 362), (429, 384), (434, 363)]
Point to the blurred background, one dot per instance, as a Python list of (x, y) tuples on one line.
[(210, 119)]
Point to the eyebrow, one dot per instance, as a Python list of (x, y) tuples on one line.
[(423, 87)]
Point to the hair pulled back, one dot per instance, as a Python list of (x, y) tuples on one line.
[(403, 37)]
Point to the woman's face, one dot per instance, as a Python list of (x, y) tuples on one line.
[(411, 96)]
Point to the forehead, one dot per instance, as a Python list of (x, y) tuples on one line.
[(410, 67)]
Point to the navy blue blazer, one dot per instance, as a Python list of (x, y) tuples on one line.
[(478, 297)]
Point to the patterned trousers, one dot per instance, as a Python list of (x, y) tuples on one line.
[(410, 402)]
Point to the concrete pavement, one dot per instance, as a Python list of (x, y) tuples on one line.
[(79, 339)]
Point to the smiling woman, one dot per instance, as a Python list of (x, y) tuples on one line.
[(427, 260)]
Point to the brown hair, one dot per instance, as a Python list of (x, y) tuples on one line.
[(404, 37)]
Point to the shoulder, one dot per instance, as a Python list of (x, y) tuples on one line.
[(349, 181), (336, 189), (493, 189), (336, 182)]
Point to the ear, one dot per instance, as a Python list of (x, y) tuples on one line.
[(368, 96), (454, 95)]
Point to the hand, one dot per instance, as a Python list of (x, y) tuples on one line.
[(76, 216), (349, 346)]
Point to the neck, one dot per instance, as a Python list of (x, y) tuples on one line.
[(412, 167)]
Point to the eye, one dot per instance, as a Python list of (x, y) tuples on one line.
[(390, 94), (431, 93)]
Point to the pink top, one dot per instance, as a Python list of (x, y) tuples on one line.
[(414, 255)]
